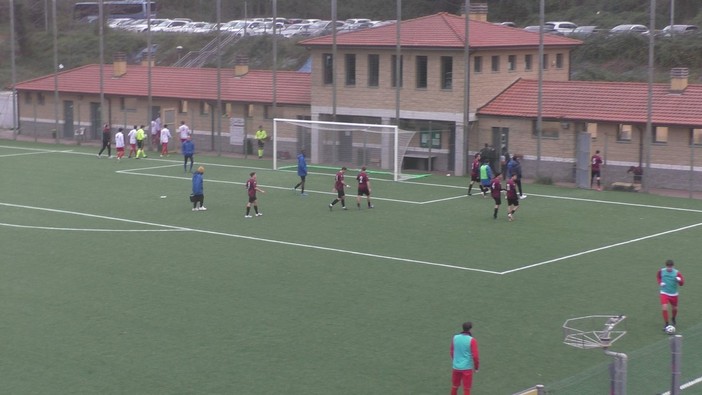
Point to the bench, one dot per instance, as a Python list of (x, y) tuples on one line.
[(419, 161)]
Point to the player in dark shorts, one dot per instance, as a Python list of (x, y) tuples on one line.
[(512, 197), (595, 163), (475, 173), (339, 186), (252, 188), (364, 188), (496, 190)]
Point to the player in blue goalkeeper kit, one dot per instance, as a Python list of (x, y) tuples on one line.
[(301, 171)]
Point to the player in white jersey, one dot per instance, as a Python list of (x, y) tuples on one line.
[(165, 138), (119, 143), (183, 132), (132, 141)]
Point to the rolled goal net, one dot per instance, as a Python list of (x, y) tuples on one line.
[(331, 145)]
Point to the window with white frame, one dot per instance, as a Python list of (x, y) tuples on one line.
[(625, 132), (549, 129), (696, 136), (478, 64), (660, 135)]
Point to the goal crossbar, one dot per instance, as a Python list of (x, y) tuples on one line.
[(330, 145)]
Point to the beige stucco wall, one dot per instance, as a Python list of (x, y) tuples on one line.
[(40, 118), (485, 85)]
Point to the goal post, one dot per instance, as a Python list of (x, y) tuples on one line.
[(380, 148)]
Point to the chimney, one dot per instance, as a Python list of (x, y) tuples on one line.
[(476, 12), (241, 66), (119, 64), (146, 59), (678, 79)]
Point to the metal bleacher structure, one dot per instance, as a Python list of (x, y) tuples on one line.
[(208, 53)]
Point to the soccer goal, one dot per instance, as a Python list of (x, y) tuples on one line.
[(330, 145)]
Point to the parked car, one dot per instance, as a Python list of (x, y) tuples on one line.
[(564, 28), (170, 26), (296, 30), (585, 31), (629, 29), (508, 24), (324, 27), (141, 25), (353, 21), (198, 27), (536, 29), (680, 29)]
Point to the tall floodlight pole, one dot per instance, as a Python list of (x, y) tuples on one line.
[(218, 112), (398, 63), (649, 105), (334, 59), (56, 70), (149, 111), (15, 123), (275, 58), (539, 99), (101, 14), (672, 13), (466, 85)]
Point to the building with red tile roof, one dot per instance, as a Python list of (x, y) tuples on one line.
[(432, 78), (177, 94), (580, 117), (359, 84)]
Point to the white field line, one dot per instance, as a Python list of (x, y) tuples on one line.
[(135, 172), (252, 238), (687, 385), (86, 229), (618, 203), (602, 248)]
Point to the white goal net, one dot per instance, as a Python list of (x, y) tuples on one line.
[(380, 148)]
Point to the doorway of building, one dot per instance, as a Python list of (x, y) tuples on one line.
[(95, 121), (500, 142), (68, 119)]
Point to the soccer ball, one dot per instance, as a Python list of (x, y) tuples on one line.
[(670, 330)]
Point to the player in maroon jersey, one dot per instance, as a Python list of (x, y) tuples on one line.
[(475, 174), (252, 188), (595, 163), (364, 188), (496, 190), (512, 197), (339, 186)]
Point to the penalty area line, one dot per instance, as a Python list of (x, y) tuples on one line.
[(687, 385), (602, 248), (252, 238)]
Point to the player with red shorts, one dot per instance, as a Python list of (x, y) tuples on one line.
[(465, 359), (669, 279)]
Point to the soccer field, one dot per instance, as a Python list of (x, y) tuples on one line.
[(109, 288)]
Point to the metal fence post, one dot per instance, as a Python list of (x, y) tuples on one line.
[(676, 359)]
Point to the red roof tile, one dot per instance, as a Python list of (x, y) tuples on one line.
[(442, 30), (182, 83), (621, 102)]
